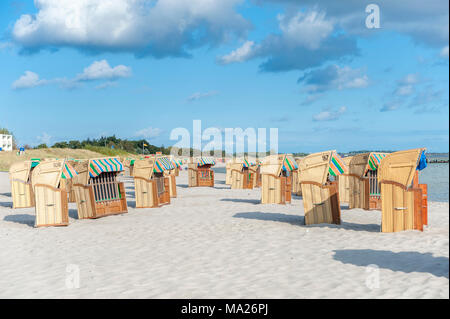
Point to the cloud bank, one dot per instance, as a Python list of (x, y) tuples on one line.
[(97, 71), (329, 115), (197, 96), (161, 28)]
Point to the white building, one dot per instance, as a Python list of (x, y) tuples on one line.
[(6, 142)]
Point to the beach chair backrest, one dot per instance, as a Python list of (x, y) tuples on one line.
[(357, 164), (48, 173), (318, 167), (20, 171), (144, 168), (400, 167), (314, 167)]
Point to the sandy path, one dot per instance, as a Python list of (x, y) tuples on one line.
[(217, 242)]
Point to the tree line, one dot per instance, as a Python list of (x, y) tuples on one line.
[(111, 142)]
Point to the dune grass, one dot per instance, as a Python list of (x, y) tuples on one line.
[(107, 151), (7, 158)]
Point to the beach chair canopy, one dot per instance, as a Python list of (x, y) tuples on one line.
[(146, 167), (51, 172), (203, 160), (127, 162), (275, 164), (248, 162), (93, 167), (289, 163), (104, 165), (318, 166), (240, 163), (174, 161), (68, 171), (162, 164), (359, 164), (400, 167)]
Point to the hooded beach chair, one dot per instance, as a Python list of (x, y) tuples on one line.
[(152, 188), (344, 183), (276, 179), (403, 199), (200, 172), (172, 174), (228, 178), (50, 197), (243, 173), (361, 183), (296, 187), (98, 193), (67, 184), (177, 163), (319, 191), (128, 164), (20, 180)]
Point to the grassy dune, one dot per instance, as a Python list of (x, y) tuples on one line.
[(7, 158)]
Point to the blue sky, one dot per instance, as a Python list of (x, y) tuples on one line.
[(136, 68)]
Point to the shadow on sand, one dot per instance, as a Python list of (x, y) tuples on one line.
[(25, 219), (6, 204), (241, 200), (300, 221), (73, 213), (405, 261), (274, 217)]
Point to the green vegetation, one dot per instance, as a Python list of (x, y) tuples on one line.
[(106, 151), (113, 146)]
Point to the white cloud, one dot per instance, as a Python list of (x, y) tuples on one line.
[(406, 86), (330, 115), (411, 78), (425, 21), (28, 80), (305, 40), (303, 30), (106, 85), (405, 90), (149, 132), (390, 106), (334, 77), (306, 29), (144, 27), (97, 71), (444, 52), (102, 70), (198, 95), (239, 55)]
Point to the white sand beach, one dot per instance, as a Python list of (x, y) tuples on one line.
[(220, 243)]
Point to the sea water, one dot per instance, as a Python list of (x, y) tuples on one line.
[(435, 175)]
